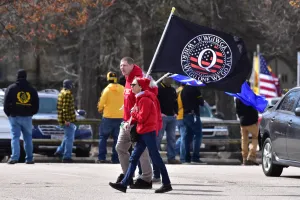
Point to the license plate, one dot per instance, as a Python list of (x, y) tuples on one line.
[(202, 146), (57, 137)]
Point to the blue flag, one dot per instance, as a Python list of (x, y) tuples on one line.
[(247, 96)]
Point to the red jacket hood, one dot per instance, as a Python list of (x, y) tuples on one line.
[(146, 93), (136, 71), (153, 97)]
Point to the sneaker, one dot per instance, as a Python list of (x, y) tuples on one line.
[(139, 176), (67, 160), (118, 186), (252, 162), (120, 178), (164, 188), (12, 162), (174, 162), (57, 154), (30, 162), (103, 161), (141, 184), (156, 180)]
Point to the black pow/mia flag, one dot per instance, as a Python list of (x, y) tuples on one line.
[(217, 59)]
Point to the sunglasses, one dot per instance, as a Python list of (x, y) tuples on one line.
[(133, 84)]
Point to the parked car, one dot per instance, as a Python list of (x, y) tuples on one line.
[(279, 130), (48, 110), (5, 138), (210, 132)]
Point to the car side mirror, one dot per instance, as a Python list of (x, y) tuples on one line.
[(297, 112), (219, 115), (81, 112)]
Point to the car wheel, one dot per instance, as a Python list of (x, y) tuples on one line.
[(268, 167), (82, 152)]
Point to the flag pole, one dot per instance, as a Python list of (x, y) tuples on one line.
[(160, 41), (258, 70), (161, 78)]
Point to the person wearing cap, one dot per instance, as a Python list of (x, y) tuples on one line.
[(147, 114), (66, 119), (109, 105), (21, 102)]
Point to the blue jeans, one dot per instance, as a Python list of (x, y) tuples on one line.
[(193, 133), (146, 140), (109, 126), (18, 125), (66, 147), (169, 125), (180, 143)]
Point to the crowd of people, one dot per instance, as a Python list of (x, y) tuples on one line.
[(137, 112)]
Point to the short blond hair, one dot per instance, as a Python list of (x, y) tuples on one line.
[(129, 60)]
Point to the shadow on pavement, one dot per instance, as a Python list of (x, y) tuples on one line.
[(194, 185), (294, 177), (196, 190), (174, 193)]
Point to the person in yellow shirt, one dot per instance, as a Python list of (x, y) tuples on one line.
[(180, 143), (110, 104)]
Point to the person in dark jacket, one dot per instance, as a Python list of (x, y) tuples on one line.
[(192, 100), (248, 120), (167, 97), (21, 102), (66, 118)]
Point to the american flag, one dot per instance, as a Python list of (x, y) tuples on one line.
[(267, 83)]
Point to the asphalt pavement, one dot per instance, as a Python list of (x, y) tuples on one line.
[(90, 181)]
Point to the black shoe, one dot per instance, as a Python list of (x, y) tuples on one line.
[(118, 186), (141, 184), (12, 162), (68, 160), (164, 188), (30, 162), (251, 162), (56, 154), (120, 178)]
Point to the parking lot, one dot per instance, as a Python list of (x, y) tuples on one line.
[(90, 181)]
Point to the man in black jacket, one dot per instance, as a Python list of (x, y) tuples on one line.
[(191, 101), (248, 120), (167, 97), (21, 102)]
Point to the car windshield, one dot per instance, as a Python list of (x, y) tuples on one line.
[(205, 111), (48, 105)]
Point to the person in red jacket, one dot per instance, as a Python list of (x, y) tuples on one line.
[(146, 113), (130, 71)]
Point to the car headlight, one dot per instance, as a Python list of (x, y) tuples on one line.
[(221, 131), (85, 127)]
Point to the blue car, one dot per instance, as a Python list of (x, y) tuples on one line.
[(48, 110)]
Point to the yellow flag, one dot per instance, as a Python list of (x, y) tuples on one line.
[(256, 75)]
